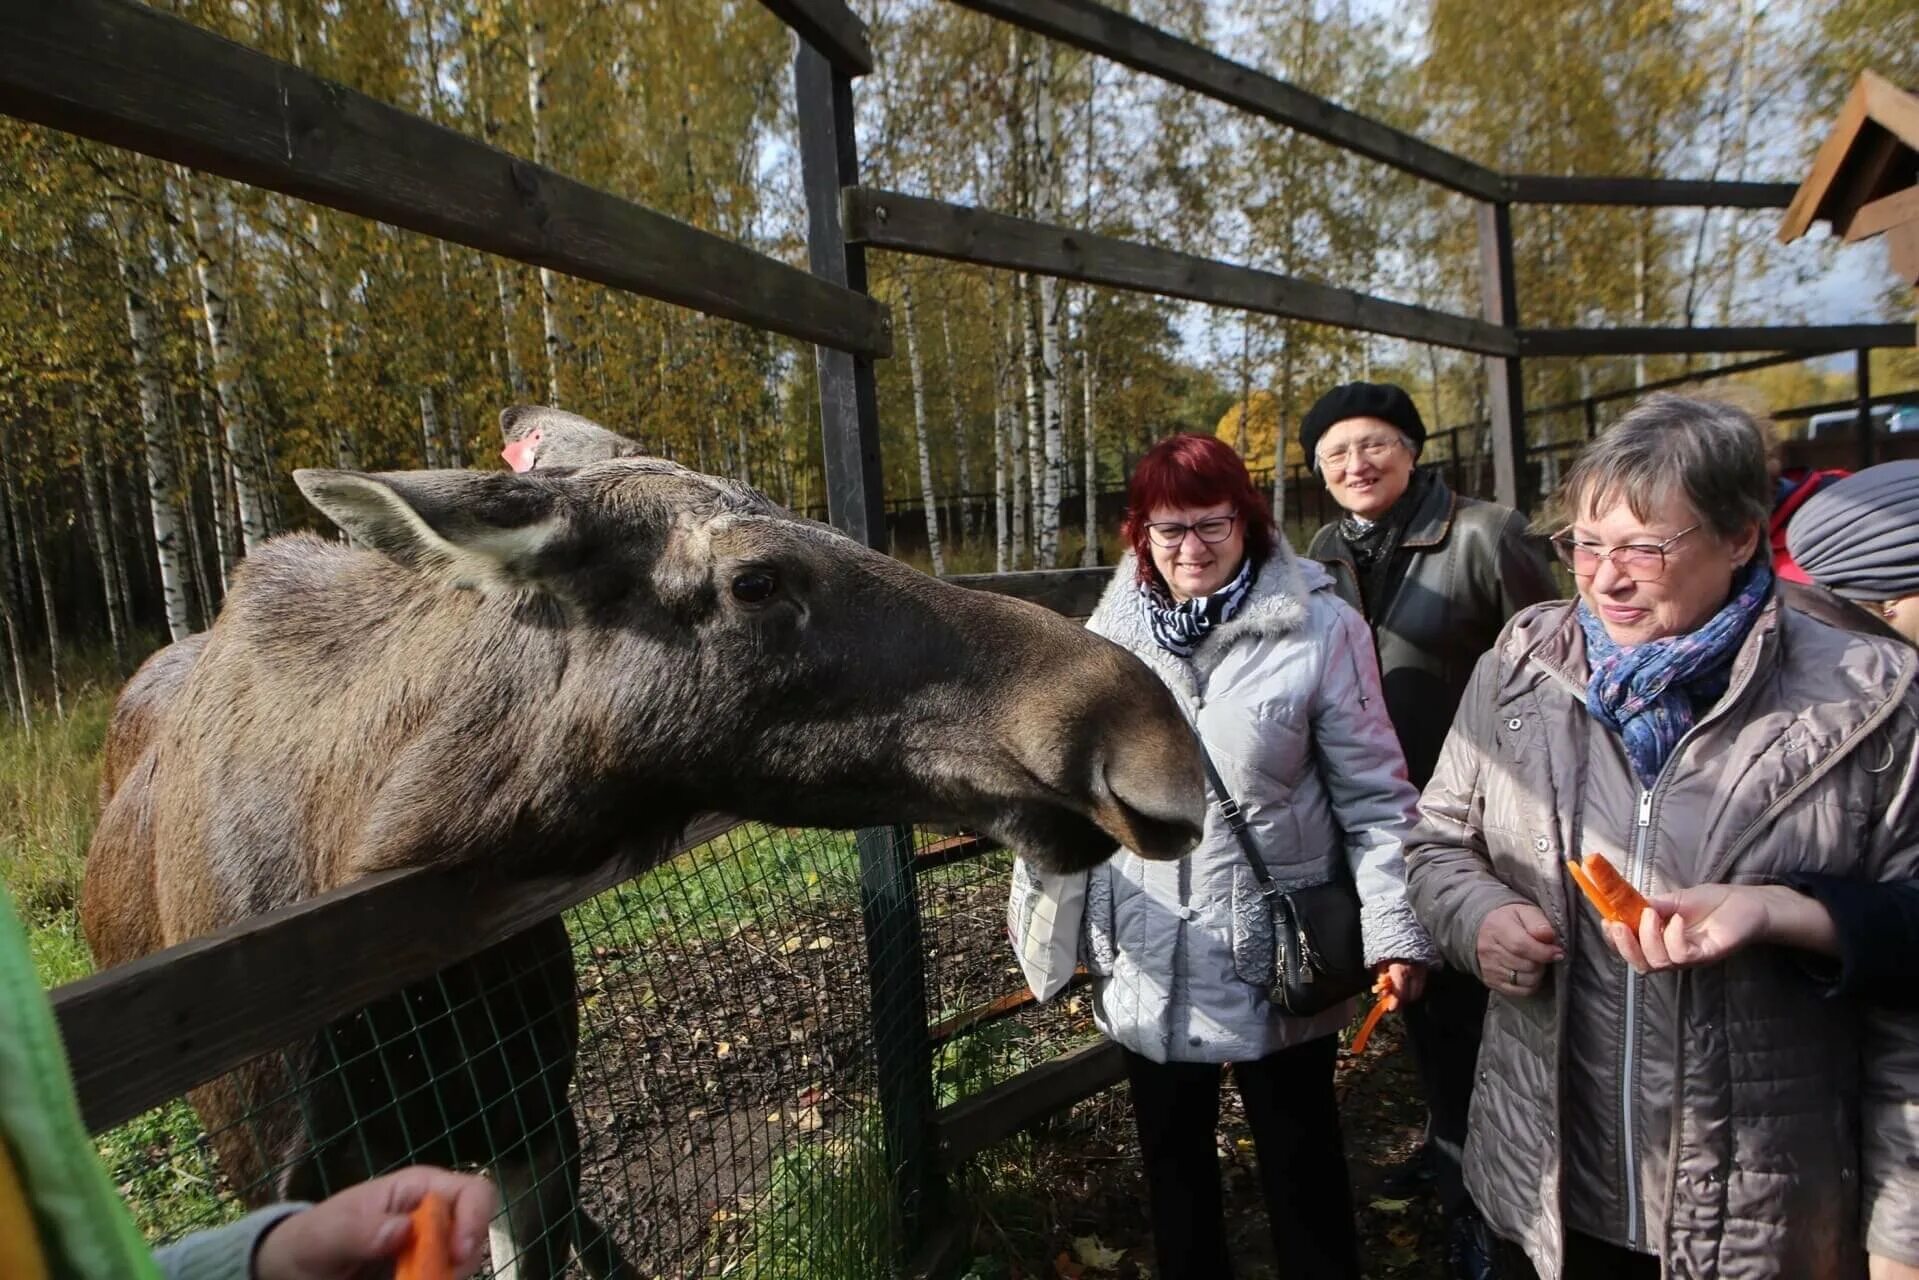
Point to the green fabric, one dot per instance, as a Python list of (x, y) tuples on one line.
[(84, 1229)]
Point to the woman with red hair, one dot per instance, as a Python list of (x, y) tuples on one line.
[(1278, 676)]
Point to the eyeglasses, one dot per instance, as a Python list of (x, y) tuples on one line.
[(1638, 561), (1373, 450), (1212, 529)]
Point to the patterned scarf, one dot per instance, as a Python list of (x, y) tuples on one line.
[(1650, 694), (1180, 627), (1375, 545)]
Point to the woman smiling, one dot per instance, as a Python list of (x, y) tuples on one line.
[(1724, 1120)]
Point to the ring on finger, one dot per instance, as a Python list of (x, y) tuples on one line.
[(1512, 976)]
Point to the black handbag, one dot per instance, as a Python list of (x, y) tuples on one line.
[(1320, 958)]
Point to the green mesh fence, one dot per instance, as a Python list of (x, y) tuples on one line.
[(720, 1112)]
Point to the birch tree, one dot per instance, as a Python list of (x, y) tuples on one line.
[(228, 375), (150, 384), (928, 497)]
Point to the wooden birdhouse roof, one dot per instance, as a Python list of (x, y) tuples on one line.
[(1865, 179)]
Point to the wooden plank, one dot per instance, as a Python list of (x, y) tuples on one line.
[(1670, 342), (1681, 380), (1072, 592), (1878, 165), (952, 850), (1811, 196), (971, 1125), (141, 1034), (1892, 108), (996, 1010), (830, 27), (849, 400), (1655, 193), (1132, 43), (1506, 386), (1883, 214), (912, 224), (134, 77)]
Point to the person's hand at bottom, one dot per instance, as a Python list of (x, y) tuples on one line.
[(345, 1235)]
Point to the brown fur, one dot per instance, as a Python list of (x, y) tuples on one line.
[(530, 672)]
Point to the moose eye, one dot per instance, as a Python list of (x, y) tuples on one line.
[(753, 588)]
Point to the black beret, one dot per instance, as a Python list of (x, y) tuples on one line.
[(1380, 400)]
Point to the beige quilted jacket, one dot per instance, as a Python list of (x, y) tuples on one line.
[(1727, 1118)]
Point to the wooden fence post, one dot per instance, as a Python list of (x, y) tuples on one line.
[(1499, 303), (889, 893), (1862, 372)]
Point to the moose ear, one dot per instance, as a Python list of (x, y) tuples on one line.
[(481, 530)]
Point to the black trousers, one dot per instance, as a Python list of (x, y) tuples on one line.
[(1302, 1163), (1444, 1026), (1587, 1258)]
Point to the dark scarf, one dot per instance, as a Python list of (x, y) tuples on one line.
[(1375, 546), (1651, 694), (1180, 627)]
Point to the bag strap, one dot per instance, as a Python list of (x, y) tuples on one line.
[(1235, 819)]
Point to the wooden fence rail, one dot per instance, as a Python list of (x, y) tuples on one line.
[(132, 76)]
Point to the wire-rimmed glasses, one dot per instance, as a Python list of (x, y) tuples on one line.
[(1637, 561)]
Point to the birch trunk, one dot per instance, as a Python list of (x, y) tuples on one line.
[(228, 374), (150, 382), (455, 435), (225, 538), (345, 452), (429, 430), (554, 331), (1002, 436), (917, 369), (11, 598), (1033, 428), (1089, 553), (116, 526), (515, 375), (1046, 182), (962, 456), (36, 537), (100, 534)]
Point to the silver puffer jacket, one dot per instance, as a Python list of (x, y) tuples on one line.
[(1286, 697), (1728, 1118)]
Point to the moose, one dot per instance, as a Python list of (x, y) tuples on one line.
[(530, 672)]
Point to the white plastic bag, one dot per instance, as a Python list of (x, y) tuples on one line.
[(1043, 916)]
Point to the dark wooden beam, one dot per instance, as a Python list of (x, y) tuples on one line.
[(1653, 193), (141, 1034), (832, 28), (1132, 43), (971, 1125), (1676, 342), (849, 400), (933, 228), (1506, 385), (1681, 380), (996, 1010), (1072, 592), (134, 77)]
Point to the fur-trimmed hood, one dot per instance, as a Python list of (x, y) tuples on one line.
[(1279, 603)]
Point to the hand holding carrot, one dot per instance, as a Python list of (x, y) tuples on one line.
[(381, 1221)]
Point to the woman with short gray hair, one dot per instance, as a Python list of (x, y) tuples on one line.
[(1677, 719)]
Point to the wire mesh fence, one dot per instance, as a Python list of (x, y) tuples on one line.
[(681, 1075)]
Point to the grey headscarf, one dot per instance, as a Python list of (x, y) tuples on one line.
[(1860, 536)]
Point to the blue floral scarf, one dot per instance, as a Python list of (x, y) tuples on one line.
[(1178, 628), (1650, 694)]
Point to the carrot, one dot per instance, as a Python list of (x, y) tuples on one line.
[(1607, 890), (429, 1254), (1387, 1002)]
